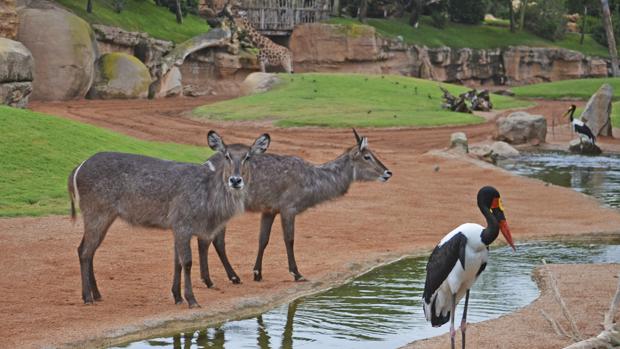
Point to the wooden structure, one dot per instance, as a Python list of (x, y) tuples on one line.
[(279, 17)]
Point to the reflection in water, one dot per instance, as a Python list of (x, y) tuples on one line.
[(598, 176), (382, 308)]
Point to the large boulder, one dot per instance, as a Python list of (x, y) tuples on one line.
[(597, 112), (502, 150), (458, 142), (119, 75), (64, 49), (16, 70), (171, 84), (521, 127), (259, 82)]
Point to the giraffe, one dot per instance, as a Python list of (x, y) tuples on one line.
[(269, 53)]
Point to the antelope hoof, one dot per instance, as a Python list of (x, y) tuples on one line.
[(194, 305), (208, 282), (235, 280), (299, 277), (258, 276), (89, 302)]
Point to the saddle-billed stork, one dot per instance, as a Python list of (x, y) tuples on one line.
[(458, 259), (578, 125)]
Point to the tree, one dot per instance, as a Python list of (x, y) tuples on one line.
[(522, 19), (417, 7), (512, 16), (611, 40), (179, 13), (363, 11), (89, 6), (336, 8)]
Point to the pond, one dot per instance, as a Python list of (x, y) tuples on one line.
[(383, 307), (598, 176)]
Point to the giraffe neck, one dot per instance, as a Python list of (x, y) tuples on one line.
[(256, 37)]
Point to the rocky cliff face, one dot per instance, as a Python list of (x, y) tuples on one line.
[(9, 21), (357, 48)]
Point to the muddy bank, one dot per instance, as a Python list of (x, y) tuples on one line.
[(587, 290)]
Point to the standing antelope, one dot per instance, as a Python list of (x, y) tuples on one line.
[(190, 199), (289, 185)]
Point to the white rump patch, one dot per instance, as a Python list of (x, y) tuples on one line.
[(76, 192)]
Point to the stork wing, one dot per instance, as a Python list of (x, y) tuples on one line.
[(441, 262)]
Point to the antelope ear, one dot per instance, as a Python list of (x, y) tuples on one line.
[(363, 144), (215, 142), (261, 144)]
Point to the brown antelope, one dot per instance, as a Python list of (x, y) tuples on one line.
[(288, 185), (190, 199)]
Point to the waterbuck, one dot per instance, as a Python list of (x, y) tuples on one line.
[(191, 199), (288, 185)]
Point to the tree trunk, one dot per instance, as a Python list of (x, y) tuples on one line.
[(512, 16), (89, 6), (363, 11), (336, 8), (179, 13), (522, 19), (611, 40), (583, 25), (416, 11)]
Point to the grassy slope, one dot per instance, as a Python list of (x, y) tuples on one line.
[(140, 15), (39, 151), (343, 100), (473, 36)]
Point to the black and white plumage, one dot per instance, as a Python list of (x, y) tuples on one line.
[(458, 259), (579, 126)]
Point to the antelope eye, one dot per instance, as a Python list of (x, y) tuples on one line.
[(367, 157)]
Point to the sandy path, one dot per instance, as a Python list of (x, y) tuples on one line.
[(40, 287)]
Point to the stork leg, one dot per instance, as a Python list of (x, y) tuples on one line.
[(452, 331), (464, 319)]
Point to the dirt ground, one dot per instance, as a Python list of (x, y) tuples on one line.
[(374, 223)]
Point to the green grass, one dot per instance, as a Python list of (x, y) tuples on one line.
[(39, 151), (345, 100), (473, 36), (140, 15), (615, 114), (575, 89)]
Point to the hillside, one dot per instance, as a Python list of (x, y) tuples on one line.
[(472, 36), (140, 15), (39, 151), (345, 100)]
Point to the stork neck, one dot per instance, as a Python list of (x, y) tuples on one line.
[(572, 112), (490, 233)]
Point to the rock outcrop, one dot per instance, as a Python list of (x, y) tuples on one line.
[(16, 71), (64, 50), (579, 146), (259, 82), (9, 21), (458, 142), (597, 113), (521, 127), (357, 48), (119, 75), (495, 152)]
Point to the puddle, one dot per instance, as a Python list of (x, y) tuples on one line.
[(598, 176), (383, 307)]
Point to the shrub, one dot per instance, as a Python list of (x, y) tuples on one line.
[(598, 30), (439, 19), (545, 18), (591, 23), (467, 11)]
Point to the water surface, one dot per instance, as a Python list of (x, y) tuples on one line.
[(382, 309)]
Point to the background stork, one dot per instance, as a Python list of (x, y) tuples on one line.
[(458, 259), (579, 126)]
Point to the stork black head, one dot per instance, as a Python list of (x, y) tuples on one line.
[(570, 111), (490, 200)]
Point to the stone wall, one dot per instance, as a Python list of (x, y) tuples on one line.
[(357, 48)]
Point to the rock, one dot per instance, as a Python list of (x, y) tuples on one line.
[(331, 43), (16, 71), (482, 152), (597, 112), (16, 62), (259, 82), (580, 146), (9, 21), (170, 85), (521, 127), (119, 75), (502, 150), (458, 141), (64, 51)]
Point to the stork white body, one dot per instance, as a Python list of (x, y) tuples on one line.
[(460, 279)]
